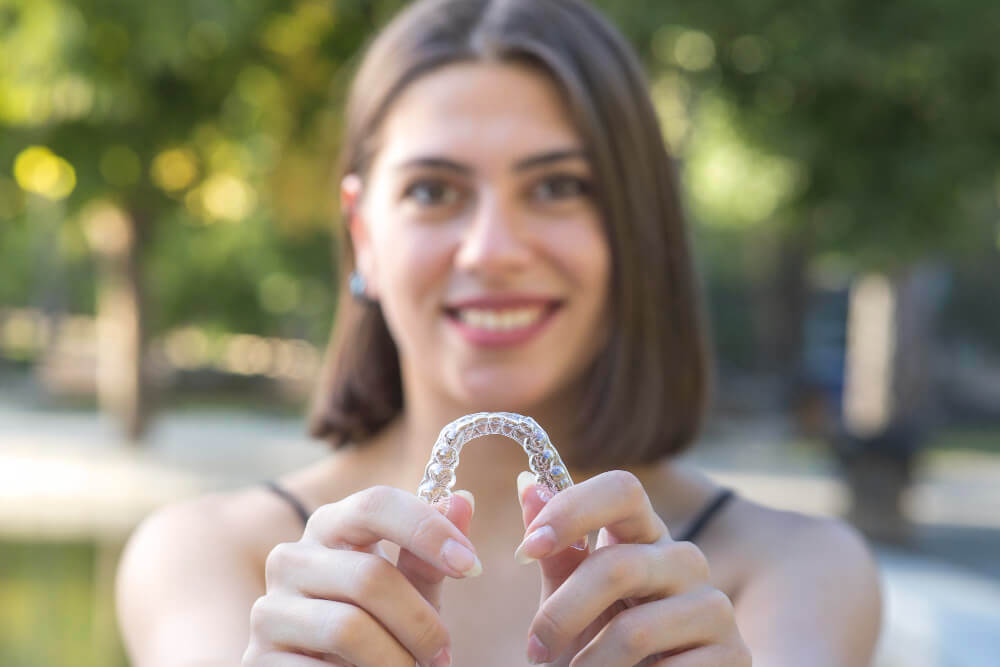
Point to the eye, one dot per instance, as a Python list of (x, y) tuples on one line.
[(431, 192), (561, 187)]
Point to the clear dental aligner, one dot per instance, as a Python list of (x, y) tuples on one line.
[(543, 459)]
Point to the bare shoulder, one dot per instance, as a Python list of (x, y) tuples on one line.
[(805, 589), (191, 571), (810, 587), (773, 538), (234, 525)]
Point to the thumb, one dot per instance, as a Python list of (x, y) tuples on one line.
[(425, 577), (557, 567)]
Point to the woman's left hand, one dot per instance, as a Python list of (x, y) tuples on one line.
[(639, 598)]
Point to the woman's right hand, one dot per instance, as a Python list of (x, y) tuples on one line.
[(334, 598)]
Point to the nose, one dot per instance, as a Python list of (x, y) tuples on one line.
[(494, 243)]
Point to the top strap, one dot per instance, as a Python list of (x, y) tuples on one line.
[(290, 499), (711, 509)]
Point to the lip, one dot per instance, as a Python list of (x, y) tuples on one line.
[(494, 339)]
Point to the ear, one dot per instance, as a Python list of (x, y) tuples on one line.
[(351, 194)]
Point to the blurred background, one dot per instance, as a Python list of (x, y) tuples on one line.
[(167, 281)]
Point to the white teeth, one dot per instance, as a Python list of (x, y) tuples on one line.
[(499, 320)]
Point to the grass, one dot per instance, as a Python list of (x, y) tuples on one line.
[(52, 611), (985, 440)]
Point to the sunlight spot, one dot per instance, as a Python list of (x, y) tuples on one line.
[(39, 170), (174, 169)]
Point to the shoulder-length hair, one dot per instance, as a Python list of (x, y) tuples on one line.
[(645, 393)]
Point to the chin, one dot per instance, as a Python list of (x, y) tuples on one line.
[(503, 392)]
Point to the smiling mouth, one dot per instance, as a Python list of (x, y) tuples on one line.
[(498, 323), (499, 319)]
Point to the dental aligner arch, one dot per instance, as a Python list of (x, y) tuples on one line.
[(543, 459)]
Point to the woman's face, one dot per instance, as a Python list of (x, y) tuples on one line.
[(477, 232)]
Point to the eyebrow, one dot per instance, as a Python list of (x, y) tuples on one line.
[(521, 165), (548, 158)]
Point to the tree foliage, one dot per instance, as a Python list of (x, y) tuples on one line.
[(865, 131)]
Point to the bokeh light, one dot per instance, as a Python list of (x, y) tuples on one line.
[(294, 33), (279, 293), (106, 228), (694, 50), (670, 94), (227, 197), (730, 181), (37, 169), (174, 169), (187, 348), (72, 97)]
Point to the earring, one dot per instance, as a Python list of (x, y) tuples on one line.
[(358, 287)]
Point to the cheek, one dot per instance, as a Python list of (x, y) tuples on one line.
[(413, 266), (601, 274), (587, 255), (592, 270)]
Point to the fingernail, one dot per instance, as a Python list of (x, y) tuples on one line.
[(461, 559), (468, 496), (442, 659), (524, 480), (537, 545), (581, 544), (537, 653)]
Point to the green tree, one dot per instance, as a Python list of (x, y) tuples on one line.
[(186, 146), (817, 133)]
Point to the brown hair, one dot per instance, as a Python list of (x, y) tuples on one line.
[(645, 393)]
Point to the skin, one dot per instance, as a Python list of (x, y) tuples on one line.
[(506, 217), (233, 577)]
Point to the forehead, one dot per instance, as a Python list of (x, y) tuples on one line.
[(480, 111)]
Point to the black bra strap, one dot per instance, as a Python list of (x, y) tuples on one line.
[(292, 500), (706, 514)]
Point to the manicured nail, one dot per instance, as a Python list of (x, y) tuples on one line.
[(537, 545), (537, 653), (524, 480), (442, 659), (468, 496), (461, 559)]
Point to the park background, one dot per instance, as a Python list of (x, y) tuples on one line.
[(168, 277)]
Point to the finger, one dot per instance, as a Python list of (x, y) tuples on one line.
[(366, 581), (327, 627), (560, 564), (627, 572), (387, 513), (424, 577), (613, 500), (670, 626)]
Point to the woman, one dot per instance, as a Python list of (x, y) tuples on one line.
[(516, 244)]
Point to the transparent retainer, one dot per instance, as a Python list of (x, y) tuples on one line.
[(543, 459)]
